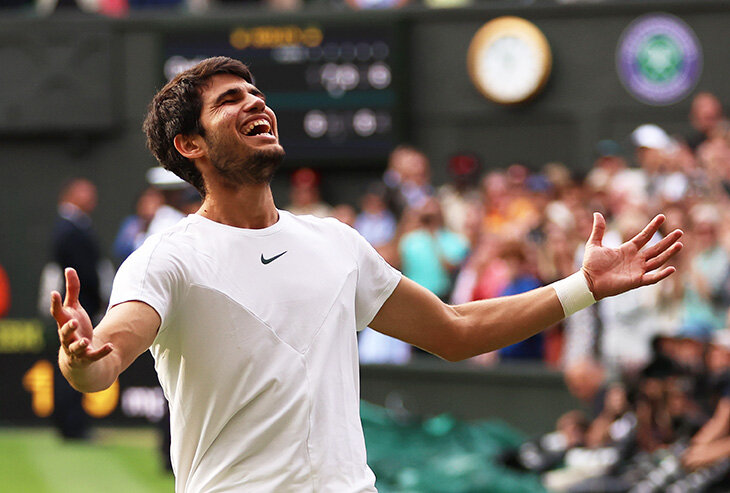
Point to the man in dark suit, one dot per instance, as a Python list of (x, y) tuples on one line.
[(75, 245)]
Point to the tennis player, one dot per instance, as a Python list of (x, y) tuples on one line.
[(251, 313)]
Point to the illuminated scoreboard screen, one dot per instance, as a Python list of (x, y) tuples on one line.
[(335, 90)]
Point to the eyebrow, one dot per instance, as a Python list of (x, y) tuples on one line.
[(237, 91), (234, 91)]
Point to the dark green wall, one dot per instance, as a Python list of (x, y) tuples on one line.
[(60, 119), (512, 393)]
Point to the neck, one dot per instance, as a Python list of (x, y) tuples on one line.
[(246, 206)]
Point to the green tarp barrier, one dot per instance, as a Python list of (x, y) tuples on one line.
[(441, 455)]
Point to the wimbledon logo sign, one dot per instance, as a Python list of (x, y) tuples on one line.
[(659, 59)]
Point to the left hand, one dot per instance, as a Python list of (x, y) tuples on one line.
[(611, 271)]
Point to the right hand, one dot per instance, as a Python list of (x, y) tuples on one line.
[(75, 330)]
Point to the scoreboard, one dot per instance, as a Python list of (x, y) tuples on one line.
[(335, 89)]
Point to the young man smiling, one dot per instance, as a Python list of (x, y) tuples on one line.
[(251, 313)]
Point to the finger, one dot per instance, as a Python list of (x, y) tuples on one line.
[(645, 235), (57, 308), (97, 354), (657, 248), (67, 333), (599, 227), (656, 276), (661, 259), (73, 286), (78, 348)]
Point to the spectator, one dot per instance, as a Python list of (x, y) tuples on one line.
[(521, 278), (175, 193), (609, 163), (376, 223), (484, 274), (431, 254), (712, 442), (585, 379), (705, 116), (615, 407), (458, 196), (304, 195), (408, 179), (508, 211), (652, 144), (74, 244), (133, 229), (704, 305)]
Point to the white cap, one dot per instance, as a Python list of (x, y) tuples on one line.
[(705, 213), (167, 180), (651, 136), (721, 338)]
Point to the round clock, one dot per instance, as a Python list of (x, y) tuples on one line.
[(509, 60)]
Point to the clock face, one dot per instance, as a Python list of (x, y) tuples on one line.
[(509, 60)]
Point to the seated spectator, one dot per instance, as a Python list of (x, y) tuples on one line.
[(460, 193), (585, 379), (712, 443), (705, 115), (548, 451), (407, 179), (508, 211), (616, 405), (375, 223), (706, 269), (304, 195), (521, 270)]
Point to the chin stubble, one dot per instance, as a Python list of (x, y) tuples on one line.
[(258, 168)]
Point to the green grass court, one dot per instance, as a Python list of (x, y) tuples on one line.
[(117, 460)]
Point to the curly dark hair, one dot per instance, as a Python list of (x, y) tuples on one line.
[(176, 108)]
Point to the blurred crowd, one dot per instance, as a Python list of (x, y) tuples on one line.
[(497, 232), (653, 365), (123, 8), (666, 430)]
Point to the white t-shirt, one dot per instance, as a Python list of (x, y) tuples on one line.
[(257, 350)]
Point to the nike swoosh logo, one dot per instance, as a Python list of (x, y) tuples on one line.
[(269, 260)]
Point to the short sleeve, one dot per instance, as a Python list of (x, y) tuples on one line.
[(151, 275), (376, 280)]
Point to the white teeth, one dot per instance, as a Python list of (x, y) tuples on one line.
[(254, 124)]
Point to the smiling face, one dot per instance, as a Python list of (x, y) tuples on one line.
[(239, 131)]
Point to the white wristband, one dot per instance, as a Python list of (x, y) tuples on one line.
[(573, 293)]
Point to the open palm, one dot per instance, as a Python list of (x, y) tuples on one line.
[(611, 271), (75, 330)]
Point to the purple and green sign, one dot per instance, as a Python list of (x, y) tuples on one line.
[(659, 59)]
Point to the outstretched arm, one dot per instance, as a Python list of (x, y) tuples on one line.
[(92, 358), (418, 317)]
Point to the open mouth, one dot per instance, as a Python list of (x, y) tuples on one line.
[(258, 127)]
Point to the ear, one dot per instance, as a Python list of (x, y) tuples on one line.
[(190, 146)]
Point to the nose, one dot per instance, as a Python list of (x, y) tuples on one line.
[(254, 103)]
